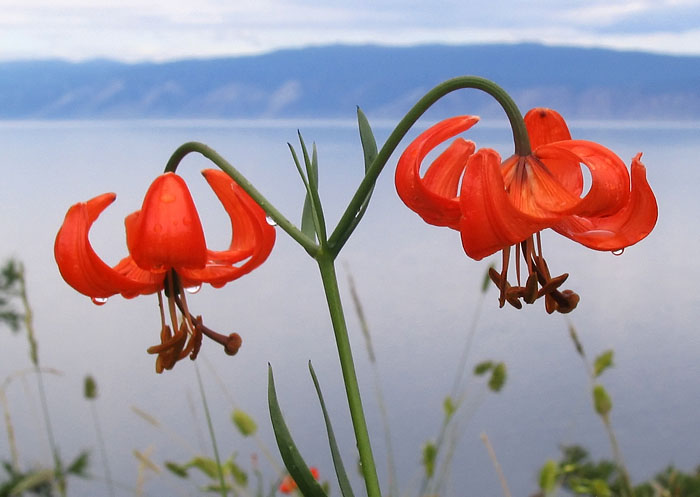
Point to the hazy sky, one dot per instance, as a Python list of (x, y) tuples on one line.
[(135, 30)]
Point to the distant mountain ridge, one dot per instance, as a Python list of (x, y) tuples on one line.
[(329, 81)]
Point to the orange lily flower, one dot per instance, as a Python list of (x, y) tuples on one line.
[(497, 204), (167, 254), (288, 484)]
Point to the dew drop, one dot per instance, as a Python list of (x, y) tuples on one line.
[(157, 228), (99, 300), (618, 251), (193, 289), (270, 221)]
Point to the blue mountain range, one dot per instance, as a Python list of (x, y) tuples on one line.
[(330, 81)]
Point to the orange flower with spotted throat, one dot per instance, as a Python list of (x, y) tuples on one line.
[(499, 205), (167, 254)]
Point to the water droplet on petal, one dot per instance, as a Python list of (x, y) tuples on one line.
[(618, 251), (193, 289), (270, 221), (99, 300)]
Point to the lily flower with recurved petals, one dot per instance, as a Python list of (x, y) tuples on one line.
[(497, 205), (167, 255)]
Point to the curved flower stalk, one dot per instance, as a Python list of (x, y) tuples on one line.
[(167, 254), (498, 204)]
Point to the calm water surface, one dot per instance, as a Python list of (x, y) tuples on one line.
[(420, 294)]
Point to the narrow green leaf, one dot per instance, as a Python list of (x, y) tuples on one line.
[(307, 219), (602, 362), (429, 457), (601, 400), (483, 367), (244, 422), (176, 469), (369, 144), (343, 481), (548, 476), (310, 164), (498, 377), (298, 469)]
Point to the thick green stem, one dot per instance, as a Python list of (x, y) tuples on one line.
[(520, 138), (224, 165), (352, 389)]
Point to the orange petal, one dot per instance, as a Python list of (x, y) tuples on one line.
[(545, 126), (624, 228), (166, 233), (252, 236), (78, 263), (534, 190), (434, 197), (489, 221), (610, 180)]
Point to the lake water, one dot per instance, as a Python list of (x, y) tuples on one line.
[(420, 293)]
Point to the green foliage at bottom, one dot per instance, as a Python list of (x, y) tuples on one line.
[(576, 473)]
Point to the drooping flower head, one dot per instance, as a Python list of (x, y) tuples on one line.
[(167, 254), (497, 205)]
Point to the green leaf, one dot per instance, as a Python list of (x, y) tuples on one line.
[(205, 465), (343, 481), (448, 405), (602, 362), (429, 457), (548, 476), (90, 388), (79, 465), (244, 422), (498, 377), (483, 367), (32, 480), (577, 342), (176, 469), (295, 464), (369, 144), (601, 400), (239, 476), (600, 488)]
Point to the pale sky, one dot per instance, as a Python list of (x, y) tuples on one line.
[(137, 30)]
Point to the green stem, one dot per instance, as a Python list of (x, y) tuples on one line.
[(352, 389), (224, 165), (34, 355), (219, 468), (520, 138), (103, 449)]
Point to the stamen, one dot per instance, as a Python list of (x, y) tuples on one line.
[(504, 276)]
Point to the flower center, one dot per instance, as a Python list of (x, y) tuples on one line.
[(187, 338), (539, 282)]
